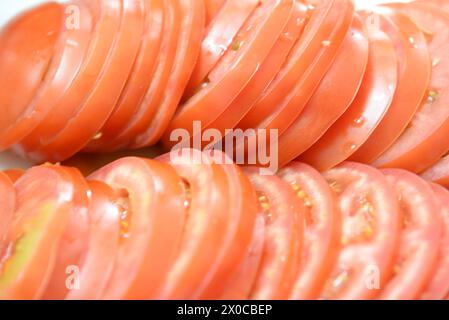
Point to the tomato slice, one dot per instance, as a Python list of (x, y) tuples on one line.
[(413, 79), (222, 212), (98, 261), (74, 240), (420, 236), (14, 174), (107, 89), (284, 219), (438, 288), (213, 8), (371, 232), (439, 173), (423, 143), (40, 80), (241, 280), (43, 204), (140, 77), (238, 66), (148, 240), (329, 101), (288, 93), (184, 29), (322, 229), (219, 36), (374, 98), (107, 18), (7, 207), (265, 74)]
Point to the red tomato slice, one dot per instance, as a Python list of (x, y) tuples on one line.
[(238, 66), (219, 36), (265, 74), (284, 219), (371, 232), (420, 236), (98, 261), (438, 288), (240, 282), (288, 93), (43, 79), (43, 205), (74, 240), (149, 240), (212, 245), (14, 174), (374, 98), (107, 20), (185, 30), (425, 140), (330, 100), (439, 173), (213, 8), (140, 77), (322, 229), (7, 207), (413, 79), (82, 127)]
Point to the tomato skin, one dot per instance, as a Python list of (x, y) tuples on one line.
[(104, 213), (421, 236), (372, 102), (370, 232), (19, 73), (414, 71), (424, 142), (329, 101), (284, 214), (149, 241), (7, 207), (322, 229), (438, 173), (212, 9), (43, 204)]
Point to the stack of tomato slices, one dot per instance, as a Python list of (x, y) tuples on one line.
[(192, 225), (335, 83)]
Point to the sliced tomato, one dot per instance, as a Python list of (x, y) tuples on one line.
[(238, 66), (74, 241), (439, 173), (329, 101), (101, 99), (265, 74), (184, 29), (284, 219), (438, 288), (43, 205), (371, 104), (97, 263), (213, 8), (241, 280), (421, 236), (441, 4), (219, 36), (322, 229), (58, 51), (371, 232), (14, 174), (140, 77), (424, 142), (413, 79), (219, 227), (288, 93), (149, 240), (7, 207)]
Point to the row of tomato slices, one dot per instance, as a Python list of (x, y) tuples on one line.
[(192, 225), (336, 83)]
